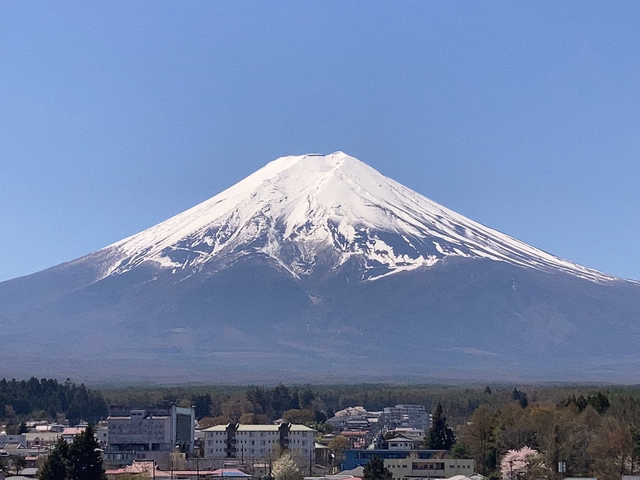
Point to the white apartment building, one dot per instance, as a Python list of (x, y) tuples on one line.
[(417, 468), (249, 442)]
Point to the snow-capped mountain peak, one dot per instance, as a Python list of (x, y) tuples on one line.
[(314, 213)]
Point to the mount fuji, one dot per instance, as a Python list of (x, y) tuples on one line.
[(318, 266)]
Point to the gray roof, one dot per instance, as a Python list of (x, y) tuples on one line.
[(402, 438), (356, 472), (29, 471)]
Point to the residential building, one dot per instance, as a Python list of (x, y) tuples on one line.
[(417, 468), (248, 442), (69, 433), (404, 443), (412, 433)]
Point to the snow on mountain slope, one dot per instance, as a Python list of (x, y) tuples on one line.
[(314, 213)]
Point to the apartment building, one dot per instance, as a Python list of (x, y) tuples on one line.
[(247, 442)]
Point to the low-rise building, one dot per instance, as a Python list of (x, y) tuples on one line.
[(69, 433), (249, 442), (412, 433), (417, 468), (4, 439), (358, 458)]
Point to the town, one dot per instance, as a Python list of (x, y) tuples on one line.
[(169, 442), (288, 433)]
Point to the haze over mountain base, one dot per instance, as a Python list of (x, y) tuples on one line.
[(318, 268)]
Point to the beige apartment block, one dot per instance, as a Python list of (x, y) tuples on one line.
[(252, 442), (417, 468)]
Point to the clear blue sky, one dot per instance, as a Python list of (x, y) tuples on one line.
[(524, 116)]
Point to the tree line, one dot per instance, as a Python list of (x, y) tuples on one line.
[(592, 436), (46, 399)]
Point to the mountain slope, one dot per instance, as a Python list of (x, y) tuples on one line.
[(318, 267)]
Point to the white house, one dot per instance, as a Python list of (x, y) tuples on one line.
[(404, 443)]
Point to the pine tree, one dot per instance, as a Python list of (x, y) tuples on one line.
[(56, 467), (375, 470), (85, 458), (440, 436)]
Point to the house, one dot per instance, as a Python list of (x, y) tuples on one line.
[(401, 442), (69, 433), (412, 433)]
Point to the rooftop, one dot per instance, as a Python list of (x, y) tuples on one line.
[(260, 428)]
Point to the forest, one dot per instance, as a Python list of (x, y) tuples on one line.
[(593, 430), (35, 399)]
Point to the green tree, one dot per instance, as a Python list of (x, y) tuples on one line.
[(460, 450), (202, 405), (600, 402), (520, 397), (440, 436), (56, 467), (85, 458), (375, 470), (19, 463)]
